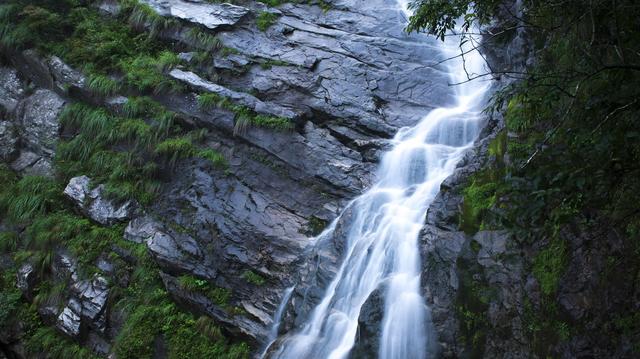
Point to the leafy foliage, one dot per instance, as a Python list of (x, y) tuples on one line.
[(571, 149)]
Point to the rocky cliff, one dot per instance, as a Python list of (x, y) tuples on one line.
[(344, 74), (343, 77)]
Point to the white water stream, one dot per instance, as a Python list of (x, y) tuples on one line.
[(382, 249)]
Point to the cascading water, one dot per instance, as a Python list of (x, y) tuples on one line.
[(382, 243)]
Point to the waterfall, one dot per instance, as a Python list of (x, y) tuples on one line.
[(277, 319), (382, 251)]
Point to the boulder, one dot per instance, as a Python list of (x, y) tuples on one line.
[(69, 321), (26, 279), (210, 15), (92, 295), (37, 121), (93, 203)]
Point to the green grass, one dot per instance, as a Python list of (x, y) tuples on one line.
[(29, 198), (143, 16), (203, 40), (244, 116), (253, 278), (145, 74), (102, 85), (265, 19)]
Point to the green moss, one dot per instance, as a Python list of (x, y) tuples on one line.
[(47, 340), (472, 303), (9, 304), (498, 147), (253, 278), (265, 19), (316, 225), (219, 296), (479, 197), (144, 73), (548, 266)]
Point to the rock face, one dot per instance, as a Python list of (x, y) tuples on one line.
[(200, 12), (29, 126), (11, 89), (37, 120), (348, 78), (8, 141), (93, 203)]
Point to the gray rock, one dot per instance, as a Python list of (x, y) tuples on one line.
[(64, 76), (244, 99), (69, 321), (237, 324), (37, 121), (94, 205), (65, 267), (92, 295), (210, 15), (109, 7), (179, 252), (11, 89), (8, 141), (141, 229), (26, 279)]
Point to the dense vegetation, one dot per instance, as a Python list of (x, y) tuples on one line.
[(570, 154)]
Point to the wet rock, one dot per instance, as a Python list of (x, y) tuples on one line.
[(8, 141), (369, 327), (92, 295), (140, 229), (93, 203), (26, 279), (11, 89), (237, 324), (37, 121), (244, 99), (69, 320), (31, 164), (64, 76), (178, 252), (65, 267), (210, 15)]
